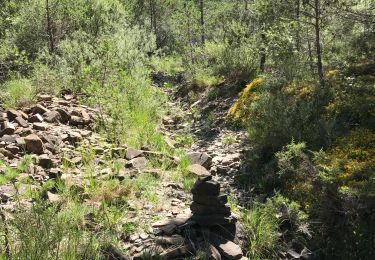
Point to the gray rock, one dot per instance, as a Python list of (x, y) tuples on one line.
[(227, 248), (198, 170), (7, 128), (139, 162), (200, 158), (39, 109), (34, 144), (52, 116), (76, 121), (64, 115), (132, 153), (40, 126), (22, 122)]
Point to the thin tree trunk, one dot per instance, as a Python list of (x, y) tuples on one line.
[(262, 53), (51, 43), (318, 43), (202, 22), (298, 38)]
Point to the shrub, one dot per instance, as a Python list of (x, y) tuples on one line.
[(19, 92), (265, 227)]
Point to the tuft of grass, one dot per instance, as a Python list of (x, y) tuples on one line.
[(18, 92)]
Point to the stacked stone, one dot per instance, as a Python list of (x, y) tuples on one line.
[(209, 208)]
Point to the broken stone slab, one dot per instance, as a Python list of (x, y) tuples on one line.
[(227, 248), (39, 109), (12, 114), (7, 128), (200, 158), (22, 122), (132, 153), (52, 116), (37, 118), (198, 170), (34, 144), (40, 126)]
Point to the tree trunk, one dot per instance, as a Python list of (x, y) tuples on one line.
[(262, 52), (202, 22), (51, 43), (298, 38), (318, 43)]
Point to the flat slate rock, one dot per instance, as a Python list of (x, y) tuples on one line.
[(206, 186), (198, 170), (220, 200), (227, 248), (132, 153), (200, 209), (202, 159)]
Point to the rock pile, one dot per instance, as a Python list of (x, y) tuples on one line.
[(209, 208), (210, 228)]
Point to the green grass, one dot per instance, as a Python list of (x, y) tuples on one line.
[(18, 92)]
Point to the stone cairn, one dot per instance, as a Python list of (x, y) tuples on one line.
[(209, 208), (211, 227)]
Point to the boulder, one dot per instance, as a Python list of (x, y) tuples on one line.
[(34, 144), (52, 116)]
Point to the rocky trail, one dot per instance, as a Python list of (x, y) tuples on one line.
[(57, 136)]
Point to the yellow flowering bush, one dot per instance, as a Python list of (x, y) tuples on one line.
[(238, 111), (352, 161)]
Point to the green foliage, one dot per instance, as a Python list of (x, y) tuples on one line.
[(18, 92), (264, 226)]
